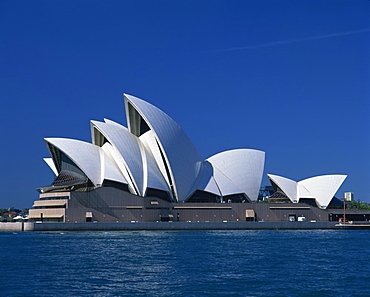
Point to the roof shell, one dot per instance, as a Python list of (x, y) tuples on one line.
[(244, 167), (323, 187), (111, 171), (85, 155), (155, 179), (129, 150), (208, 183), (149, 141), (51, 164), (225, 184), (182, 158), (138, 162), (288, 186)]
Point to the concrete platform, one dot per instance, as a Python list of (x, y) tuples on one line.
[(28, 226), (10, 226)]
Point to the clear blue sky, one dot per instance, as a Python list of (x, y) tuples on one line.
[(290, 78)]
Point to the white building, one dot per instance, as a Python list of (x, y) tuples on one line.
[(151, 171), (153, 156), (349, 196)]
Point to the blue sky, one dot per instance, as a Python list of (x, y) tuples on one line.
[(290, 78)]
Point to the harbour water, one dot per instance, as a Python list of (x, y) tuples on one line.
[(186, 263)]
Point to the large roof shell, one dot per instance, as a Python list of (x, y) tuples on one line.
[(180, 155), (133, 159), (86, 156), (323, 187), (129, 157), (148, 139), (111, 170), (225, 184), (136, 161), (155, 179), (91, 159), (244, 167), (302, 192), (152, 175)]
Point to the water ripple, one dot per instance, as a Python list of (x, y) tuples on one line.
[(186, 263)]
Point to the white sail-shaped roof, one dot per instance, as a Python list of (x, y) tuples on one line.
[(153, 153), (148, 139), (225, 184), (136, 162), (323, 187), (244, 167), (288, 186), (51, 164), (126, 153), (303, 192), (155, 179), (181, 158), (85, 155), (208, 183), (111, 171)]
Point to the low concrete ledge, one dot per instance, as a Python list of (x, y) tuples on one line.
[(176, 226), (11, 226)]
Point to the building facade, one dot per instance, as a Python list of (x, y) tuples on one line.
[(151, 171)]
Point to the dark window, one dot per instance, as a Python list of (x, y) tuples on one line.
[(309, 201), (201, 196), (143, 126), (115, 184), (236, 198), (54, 198), (159, 194)]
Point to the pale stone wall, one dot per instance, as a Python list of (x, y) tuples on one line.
[(47, 213), (11, 226)]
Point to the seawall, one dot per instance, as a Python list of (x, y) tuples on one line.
[(120, 226), (10, 226)]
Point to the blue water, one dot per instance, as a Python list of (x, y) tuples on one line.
[(186, 263)]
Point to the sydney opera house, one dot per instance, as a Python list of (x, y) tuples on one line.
[(151, 171)]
